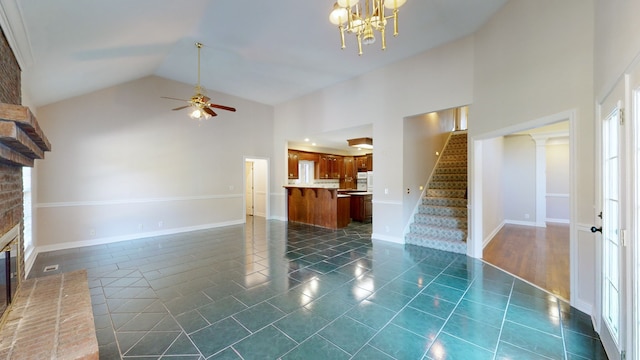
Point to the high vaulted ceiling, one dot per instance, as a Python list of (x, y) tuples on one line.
[(266, 51)]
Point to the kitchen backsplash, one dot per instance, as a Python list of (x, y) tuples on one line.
[(318, 182)]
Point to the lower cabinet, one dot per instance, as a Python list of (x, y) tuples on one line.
[(361, 207)]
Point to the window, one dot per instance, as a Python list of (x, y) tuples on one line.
[(26, 188), (306, 171)]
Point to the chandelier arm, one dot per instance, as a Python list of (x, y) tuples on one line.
[(395, 22), (342, 36)]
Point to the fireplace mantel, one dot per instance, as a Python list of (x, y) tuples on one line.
[(21, 139)]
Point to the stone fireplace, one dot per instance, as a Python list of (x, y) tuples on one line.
[(21, 143), (9, 266), (48, 318)]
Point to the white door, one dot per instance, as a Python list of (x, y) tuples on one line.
[(634, 211), (612, 202), (248, 173)]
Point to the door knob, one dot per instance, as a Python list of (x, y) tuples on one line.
[(594, 229)]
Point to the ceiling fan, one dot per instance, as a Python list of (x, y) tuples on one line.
[(199, 103)]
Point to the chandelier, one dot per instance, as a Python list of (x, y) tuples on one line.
[(361, 20)]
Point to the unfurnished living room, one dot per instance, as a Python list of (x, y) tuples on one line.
[(350, 179)]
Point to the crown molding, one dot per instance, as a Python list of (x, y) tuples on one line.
[(12, 24)]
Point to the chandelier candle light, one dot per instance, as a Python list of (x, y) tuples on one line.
[(352, 17)]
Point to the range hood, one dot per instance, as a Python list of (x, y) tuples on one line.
[(363, 143)]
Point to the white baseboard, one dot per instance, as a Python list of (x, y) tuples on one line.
[(490, 237), (113, 239), (558, 221), (30, 255), (583, 306), (387, 238), (523, 223)]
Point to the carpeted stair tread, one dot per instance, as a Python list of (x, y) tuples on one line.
[(441, 219), (444, 201), (450, 193), (459, 247), (439, 232), (443, 210), (449, 177), (448, 185)]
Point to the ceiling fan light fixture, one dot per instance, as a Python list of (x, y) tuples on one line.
[(198, 113), (199, 107), (363, 143)]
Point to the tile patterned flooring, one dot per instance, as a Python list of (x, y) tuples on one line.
[(269, 289)]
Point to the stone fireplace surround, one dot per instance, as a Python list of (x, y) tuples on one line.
[(50, 317), (10, 268)]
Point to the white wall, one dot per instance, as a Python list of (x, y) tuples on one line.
[(438, 79), (519, 179), (492, 189), (424, 135), (617, 43), (124, 165), (534, 60)]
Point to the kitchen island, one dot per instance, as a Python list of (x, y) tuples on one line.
[(361, 208), (319, 206)]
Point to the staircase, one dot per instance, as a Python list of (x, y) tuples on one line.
[(441, 220)]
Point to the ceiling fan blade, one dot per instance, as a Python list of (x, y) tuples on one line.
[(181, 107), (209, 111), (165, 97), (222, 107)]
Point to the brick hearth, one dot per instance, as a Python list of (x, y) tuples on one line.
[(51, 318)]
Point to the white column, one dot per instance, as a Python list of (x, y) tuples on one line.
[(541, 179)]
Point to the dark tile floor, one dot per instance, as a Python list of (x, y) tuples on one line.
[(269, 289)]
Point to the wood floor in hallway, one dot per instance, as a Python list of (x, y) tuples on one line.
[(535, 254)]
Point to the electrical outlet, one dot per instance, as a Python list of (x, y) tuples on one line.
[(92, 232), (526, 216), (386, 191), (160, 224), (140, 226)]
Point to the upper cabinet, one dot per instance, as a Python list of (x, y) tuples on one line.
[(293, 164), (330, 167), (348, 176), (364, 162)]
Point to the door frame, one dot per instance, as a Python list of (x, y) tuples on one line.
[(620, 91), (476, 233), (265, 184)]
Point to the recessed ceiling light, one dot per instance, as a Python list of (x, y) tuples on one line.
[(306, 139)]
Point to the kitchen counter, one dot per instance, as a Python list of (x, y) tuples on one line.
[(318, 205)]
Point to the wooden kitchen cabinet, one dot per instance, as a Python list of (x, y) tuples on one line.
[(361, 207), (361, 163), (329, 167), (293, 164), (364, 162), (348, 176)]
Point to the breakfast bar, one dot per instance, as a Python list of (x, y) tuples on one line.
[(319, 206)]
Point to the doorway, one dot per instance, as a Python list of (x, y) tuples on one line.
[(489, 203), (256, 185), (533, 238)]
